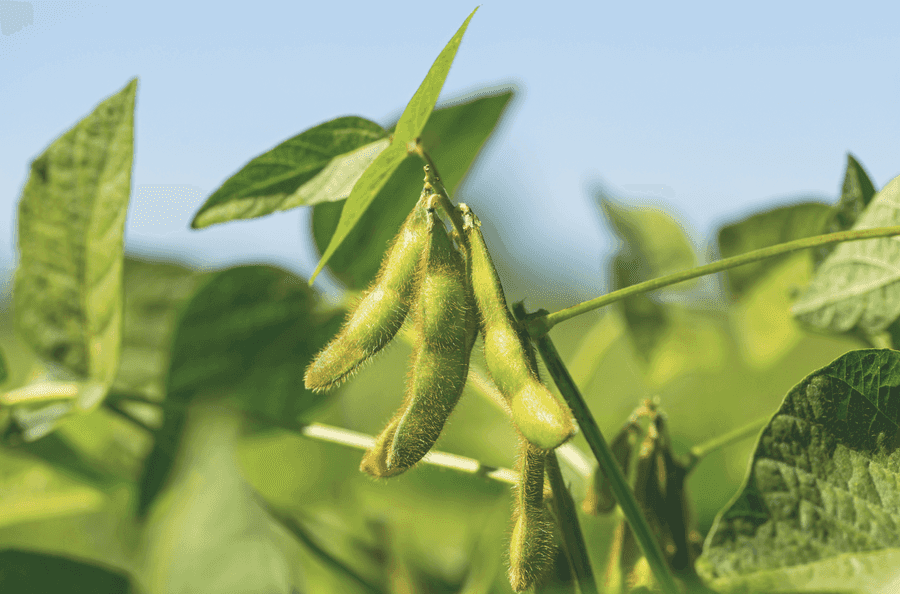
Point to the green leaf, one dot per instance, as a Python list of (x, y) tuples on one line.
[(652, 244), (209, 534), (763, 229), (819, 507), (248, 334), (857, 285), (155, 294), (409, 127), (856, 194), (315, 166), (4, 371), (68, 286), (28, 571), (453, 138)]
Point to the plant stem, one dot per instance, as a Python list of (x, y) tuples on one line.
[(433, 178), (540, 325), (360, 441), (700, 451), (301, 534), (622, 492), (573, 539), (117, 408)]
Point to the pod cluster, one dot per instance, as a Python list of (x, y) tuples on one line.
[(657, 479), (452, 293)]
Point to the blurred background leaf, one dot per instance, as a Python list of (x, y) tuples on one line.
[(27, 571), (771, 227), (247, 334), (209, 533), (651, 244)]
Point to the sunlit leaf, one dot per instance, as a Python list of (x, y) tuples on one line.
[(409, 127), (29, 571), (68, 286), (858, 285), (314, 166), (819, 507), (763, 229), (453, 137)]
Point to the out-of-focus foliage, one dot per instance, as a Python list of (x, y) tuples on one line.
[(652, 244), (169, 484)]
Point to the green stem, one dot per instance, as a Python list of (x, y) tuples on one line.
[(433, 178), (700, 451), (622, 492), (540, 325), (116, 407), (301, 534), (353, 439), (573, 539)]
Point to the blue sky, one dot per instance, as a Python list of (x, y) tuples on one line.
[(717, 110)]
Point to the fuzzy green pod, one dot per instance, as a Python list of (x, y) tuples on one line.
[(445, 325), (531, 547), (510, 359), (381, 310)]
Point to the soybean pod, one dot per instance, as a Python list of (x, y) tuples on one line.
[(510, 359), (380, 311), (445, 327), (531, 544)]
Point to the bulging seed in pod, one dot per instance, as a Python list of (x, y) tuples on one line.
[(531, 547), (444, 325), (380, 312), (537, 413)]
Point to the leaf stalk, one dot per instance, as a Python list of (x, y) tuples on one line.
[(539, 325), (602, 452)]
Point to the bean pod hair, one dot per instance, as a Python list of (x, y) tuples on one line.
[(531, 547), (381, 310), (445, 327), (509, 356)]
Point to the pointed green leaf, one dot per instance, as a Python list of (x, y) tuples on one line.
[(454, 136), (819, 507), (419, 108), (288, 175), (856, 194), (409, 127), (652, 244), (248, 333), (68, 286), (763, 229), (29, 571), (858, 285)]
